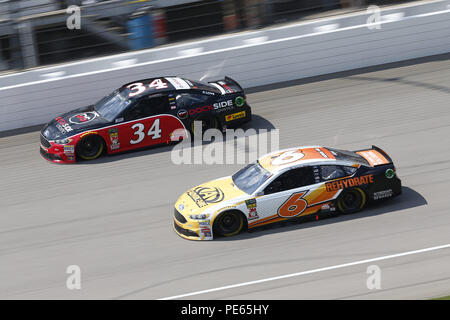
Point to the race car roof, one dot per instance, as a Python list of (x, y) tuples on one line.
[(163, 84), (279, 160)]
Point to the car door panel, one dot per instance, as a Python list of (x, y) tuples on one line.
[(294, 202), (144, 132)]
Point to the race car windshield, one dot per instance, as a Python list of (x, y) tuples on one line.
[(248, 179), (111, 106), (348, 156)]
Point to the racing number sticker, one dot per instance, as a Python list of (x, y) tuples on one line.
[(293, 206), (139, 87), (287, 157), (158, 84), (154, 131), (136, 88)]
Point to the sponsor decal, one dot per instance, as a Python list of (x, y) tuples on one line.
[(208, 93), (119, 120), (382, 194), (251, 206), (83, 117), (239, 101), (204, 223), (181, 207), (349, 183), (252, 214), (323, 154), (328, 207), (62, 125), (69, 149), (70, 158), (390, 173), (373, 157), (178, 83), (251, 203), (114, 138), (182, 114), (200, 110), (172, 102), (223, 104), (88, 132), (204, 195), (316, 174), (206, 231), (225, 86), (235, 116)]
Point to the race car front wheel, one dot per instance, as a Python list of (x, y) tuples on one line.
[(351, 200), (229, 223), (90, 147)]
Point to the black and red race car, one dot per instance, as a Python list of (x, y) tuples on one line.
[(141, 114)]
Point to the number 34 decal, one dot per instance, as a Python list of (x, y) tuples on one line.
[(154, 131), (293, 206)]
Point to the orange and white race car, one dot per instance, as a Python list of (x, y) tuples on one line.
[(287, 184)]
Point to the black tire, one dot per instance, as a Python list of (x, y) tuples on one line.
[(208, 122), (90, 147), (229, 223), (351, 200)]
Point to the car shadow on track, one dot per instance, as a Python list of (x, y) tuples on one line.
[(407, 200), (258, 123)]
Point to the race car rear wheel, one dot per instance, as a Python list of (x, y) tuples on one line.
[(229, 223), (90, 147), (351, 200), (207, 123)]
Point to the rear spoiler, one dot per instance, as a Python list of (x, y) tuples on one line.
[(230, 82), (228, 79), (373, 158), (383, 153)]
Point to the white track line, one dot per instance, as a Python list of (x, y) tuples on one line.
[(297, 274)]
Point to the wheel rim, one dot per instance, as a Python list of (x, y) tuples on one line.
[(90, 148), (230, 223), (352, 200)]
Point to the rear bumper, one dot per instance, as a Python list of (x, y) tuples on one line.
[(237, 117), (385, 189)]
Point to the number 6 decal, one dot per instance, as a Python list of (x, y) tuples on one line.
[(293, 206)]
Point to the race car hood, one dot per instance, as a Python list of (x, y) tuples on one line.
[(73, 122), (207, 195)]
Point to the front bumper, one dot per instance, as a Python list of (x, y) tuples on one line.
[(57, 153), (192, 229)]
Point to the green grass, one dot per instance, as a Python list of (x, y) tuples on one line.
[(442, 298)]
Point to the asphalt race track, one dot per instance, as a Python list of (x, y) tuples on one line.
[(113, 217)]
